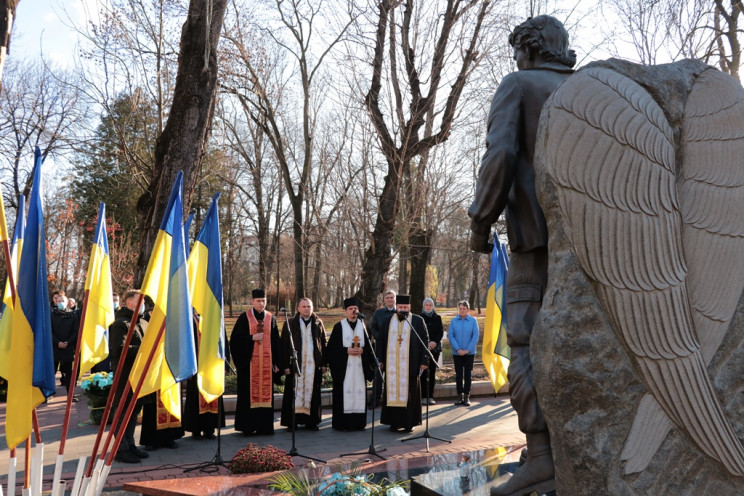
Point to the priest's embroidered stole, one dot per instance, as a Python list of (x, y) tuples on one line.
[(164, 419), (397, 360), (304, 384), (262, 389), (355, 387)]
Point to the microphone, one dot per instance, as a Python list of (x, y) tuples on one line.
[(360, 315)]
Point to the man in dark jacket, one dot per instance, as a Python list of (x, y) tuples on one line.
[(309, 339), (65, 326), (128, 451), (375, 328), (506, 180)]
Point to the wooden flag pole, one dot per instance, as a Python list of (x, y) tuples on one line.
[(112, 392), (27, 471)]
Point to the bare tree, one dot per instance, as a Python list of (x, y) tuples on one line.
[(416, 98), (37, 108), (182, 142)]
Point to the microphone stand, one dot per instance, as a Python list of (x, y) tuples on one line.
[(426, 434), (216, 462), (371, 450), (294, 367)]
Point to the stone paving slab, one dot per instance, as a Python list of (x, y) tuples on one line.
[(490, 422)]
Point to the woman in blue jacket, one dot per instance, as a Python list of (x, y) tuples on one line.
[(463, 336)]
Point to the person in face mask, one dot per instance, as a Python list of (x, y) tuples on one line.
[(65, 324)]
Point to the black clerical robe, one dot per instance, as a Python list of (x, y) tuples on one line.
[(251, 418), (408, 414), (338, 360), (308, 415)]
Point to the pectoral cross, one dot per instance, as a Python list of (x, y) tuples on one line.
[(355, 343), (400, 340)]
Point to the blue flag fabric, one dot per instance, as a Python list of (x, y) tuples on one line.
[(180, 350), (33, 289)]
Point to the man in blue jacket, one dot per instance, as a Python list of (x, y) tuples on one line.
[(463, 336)]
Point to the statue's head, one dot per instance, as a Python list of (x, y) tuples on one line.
[(546, 36)]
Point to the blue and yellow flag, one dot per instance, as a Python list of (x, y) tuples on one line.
[(99, 310), (6, 321), (205, 282), (166, 282), (495, 349), (32, 363)]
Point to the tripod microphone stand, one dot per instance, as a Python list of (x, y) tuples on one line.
[(371, 450), (216, 462), (294, 367), (426, 435)]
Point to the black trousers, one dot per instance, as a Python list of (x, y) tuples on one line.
[(66, 369), (428, 379), (463, 372)]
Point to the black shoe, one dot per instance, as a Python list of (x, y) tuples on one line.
[(150, 447), (210, 435), (75, 399), (139, 453), (466, 399), (170, 445), (431, 401), (126, 457), (312, 427), (197, 435)]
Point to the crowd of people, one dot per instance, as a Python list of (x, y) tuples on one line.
[(395, 354)]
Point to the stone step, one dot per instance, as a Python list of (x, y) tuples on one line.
[(441, 391)]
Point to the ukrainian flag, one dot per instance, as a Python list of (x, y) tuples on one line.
[(31, 360), (99, 309), (166, 282), (6, 321), (496, 352), (205, 282)]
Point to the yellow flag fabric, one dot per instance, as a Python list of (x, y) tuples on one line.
[(99, 310), (159, 377), (495, 350), (31, 375), (6, 321), (205, 285), (166, 282), (3, 224)]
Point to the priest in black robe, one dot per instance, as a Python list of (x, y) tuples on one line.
[(403, 358), (352, 365), (256, 351), (309, 339)]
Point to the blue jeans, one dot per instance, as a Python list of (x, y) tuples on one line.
[(463, 370)]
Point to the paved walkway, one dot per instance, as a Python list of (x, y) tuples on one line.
[(490, 422)]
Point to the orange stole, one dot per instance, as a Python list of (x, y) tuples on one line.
[(262, 388), (164, 418), (205, 407)]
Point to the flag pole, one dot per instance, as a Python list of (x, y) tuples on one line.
[(27, 471), (12, 472), (130, 407), (70, 394), (112, 392)]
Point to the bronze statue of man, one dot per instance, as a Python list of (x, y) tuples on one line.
[(507, 181)]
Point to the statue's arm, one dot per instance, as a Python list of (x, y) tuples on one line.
[(499, 163)]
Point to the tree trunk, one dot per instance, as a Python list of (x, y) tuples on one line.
[(420, 251), (181, 144), (377, 257)]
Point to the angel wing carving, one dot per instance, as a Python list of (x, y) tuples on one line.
[(660, 235)]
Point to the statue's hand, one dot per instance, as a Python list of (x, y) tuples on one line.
[(480, 243)]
